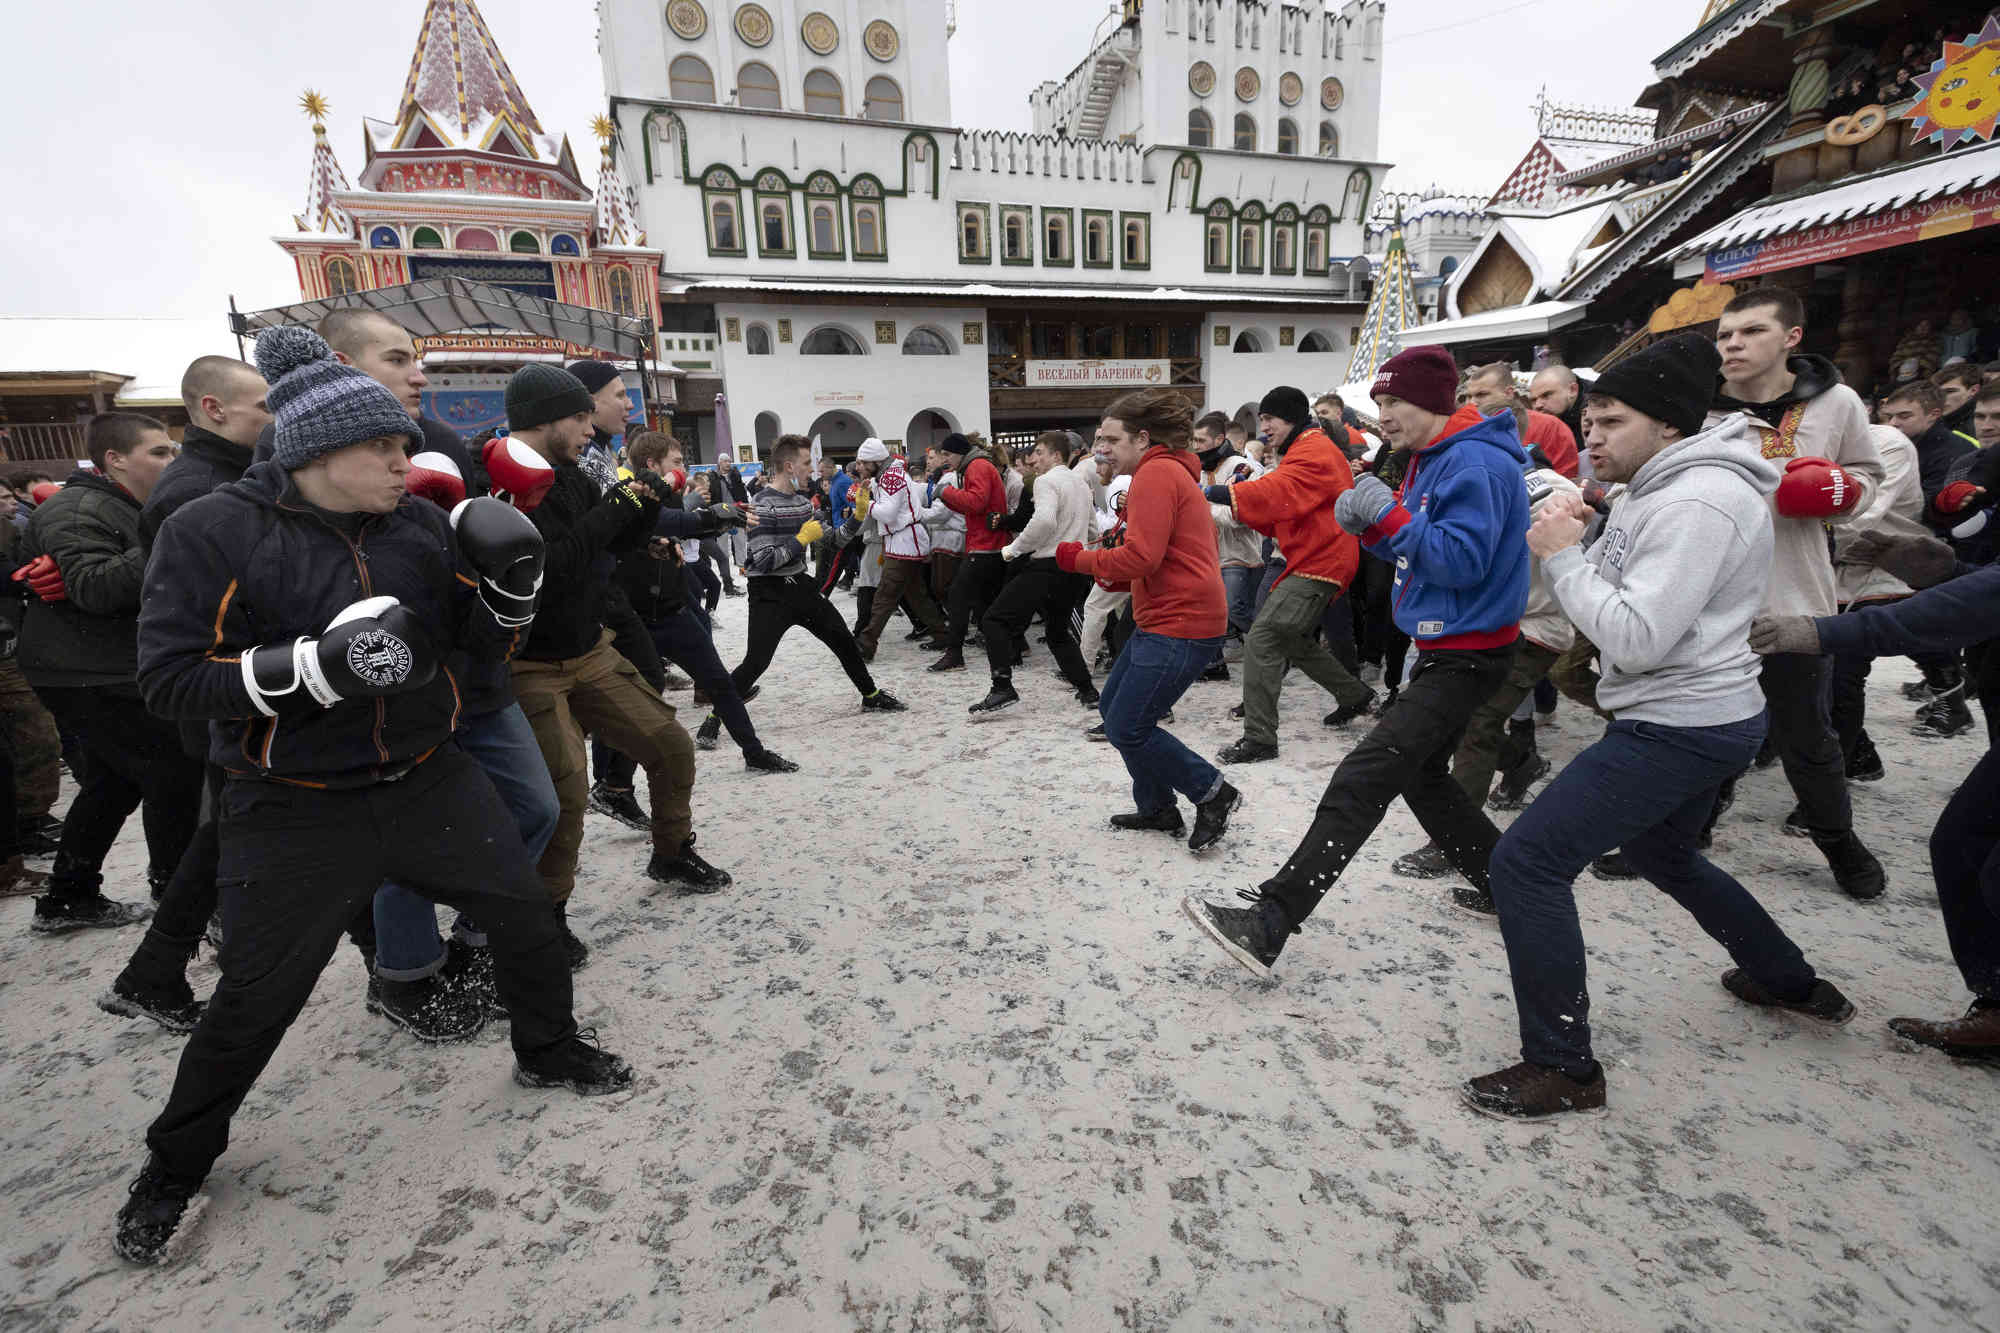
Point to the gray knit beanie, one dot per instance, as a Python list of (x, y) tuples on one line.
[(538, 394), (320, 404)]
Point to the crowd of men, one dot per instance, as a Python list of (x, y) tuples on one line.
[(350, 669)]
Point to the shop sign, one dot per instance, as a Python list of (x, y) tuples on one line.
[(1925, 221), (838, 398), (1095, 374)]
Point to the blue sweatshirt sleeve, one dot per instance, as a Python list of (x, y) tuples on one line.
[(1451, 541), (1951, 615)]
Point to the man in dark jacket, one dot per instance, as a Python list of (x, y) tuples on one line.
[(311, 612), (78, 649)]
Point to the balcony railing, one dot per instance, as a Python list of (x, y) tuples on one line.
[(33, 440)]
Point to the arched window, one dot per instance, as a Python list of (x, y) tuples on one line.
[(868, 230), (1316, 249), (477, 238), (823, 94), (1015, 237), (1329, 139), (757, 340), (689, 80), (340, 277), (1448, 267), (1248, 341), (1288, 137), (426, 238), (883, 100), (1315, 342), (1281, 248), (1218, 245), (1250, 245), (972, 234), (831, 340), (563, 244), (524, 243), (1055, 239), (825, 229), (926, 342), (1097, 241), (757, 85), (1201, 130), (1246, 132), (774, 220), (722, 233), (384, 238), (1135, 242), (618, 286)]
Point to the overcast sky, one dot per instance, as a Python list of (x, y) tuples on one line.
[(155, 149)]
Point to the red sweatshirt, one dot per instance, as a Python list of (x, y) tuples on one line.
[(1169, 554), (1293, 505), (983, 492), (1555, 441)]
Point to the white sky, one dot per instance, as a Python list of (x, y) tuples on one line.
[(155, 149)]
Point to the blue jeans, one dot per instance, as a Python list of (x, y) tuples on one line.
[(1240, 584), (407, 946), (1146, 681), (1646, 788)]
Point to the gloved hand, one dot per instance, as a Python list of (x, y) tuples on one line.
[(1215, 495), (995, 522), (520, 476), (676, 478), (1917, 561), (436, 478), (1816, 488), (811, 531), (1961, 497), (372, 648), (1066, 554), (43, 579), (631, 495), (726, 514), (1597, 495), (505, 550), (1784, 634), (1365, 504), (42, 490)]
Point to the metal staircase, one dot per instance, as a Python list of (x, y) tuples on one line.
[(1108, 67)]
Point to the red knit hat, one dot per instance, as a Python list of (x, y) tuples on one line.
[(1424, 377)]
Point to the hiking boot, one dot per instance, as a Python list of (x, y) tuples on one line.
[(1000, 698), (1511, 793), (468, 969), (1476, 901), (152, 1213), (40, 835), (17, 881), (431, 1009), (168, 1001), (1865, 765), (577, 1063), (1346, 713), (1247, 751), (59, 916), (1613, 865), (953, 660), (621, 805), (1088, 696), (1975, 1037), (677, 682), (687, 871), (1917, 691), (1096, 733), (1823, 1002), (1166, 820), (934, 646), (1855, 868), (1211, 817), (768, 761), (1427, 862), (1945, 715), (1534, 1092), (1253, 936), (708, 733), (574, 949), (883, 702), (919, 635)]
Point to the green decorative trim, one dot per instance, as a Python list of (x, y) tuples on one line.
[(881, 227), (985, 212), (646, 139), (735, 197), (1042, 235), (1367, 187), (1194, 178), (839, 251), (1228, 225), (759, 199), (1325, 235), (1145, 232), (936, 162), (1291, 265), (1082, 251), (1242, 266), (688, 176), (1033, 242)]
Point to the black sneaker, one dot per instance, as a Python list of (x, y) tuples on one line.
[(1211, 818), (1167, 820), (574, 949), (1866, 764), (1253, 936), (1247, 751), (172, 1010), (1346, 713), (998, 699), (1088, 696), (934, 646), (1427, 862), (768, 761), (1476, 901), (59, 916), (622, 806), (1096, 733), (1218, 670), (752, 693), (883, 702), (1613, 865), (676, 681), (1854, 867), (430, 1010), (1388, 700), (1945, 715), (918, 635), (1795, 824), (1534, 1092), (1824, 1002), (687, 871), (1511, 792), (577, 1063), (953, 660), (733, 592), (153, 1212), (708, 733), (468, 969)]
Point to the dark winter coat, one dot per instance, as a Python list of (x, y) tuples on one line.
[(206, 462), (657, 589), (586, 532), (1938, 450), (1953, 615), (91, 528), (253, 564)]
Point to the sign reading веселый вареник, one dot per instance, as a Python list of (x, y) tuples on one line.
[(1095, 374)]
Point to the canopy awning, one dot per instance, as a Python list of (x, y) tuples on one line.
[(1521, 321), (436, 307)]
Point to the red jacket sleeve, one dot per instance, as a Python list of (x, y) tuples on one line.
[(983, 492), (1552, 435), (1310, 476), (1149, 523)]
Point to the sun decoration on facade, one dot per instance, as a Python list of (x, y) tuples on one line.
[(1247, 84), (821, 34), (1961, 94), (753, 25), (687, 18), (1201, 78), (881, 40), (1290, 89), (1331, 94)]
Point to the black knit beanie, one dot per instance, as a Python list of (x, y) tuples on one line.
[(955, 444), (538, 394), (1672, 381), (1286, 404), (593, 375)]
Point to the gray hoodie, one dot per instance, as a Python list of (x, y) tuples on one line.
[(1668, 590)]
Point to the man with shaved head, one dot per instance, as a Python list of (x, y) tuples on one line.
[(1557, 391)]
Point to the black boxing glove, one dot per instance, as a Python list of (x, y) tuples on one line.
[(372, 648), (504, 548)]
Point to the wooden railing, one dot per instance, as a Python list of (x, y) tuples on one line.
[(31, 440)]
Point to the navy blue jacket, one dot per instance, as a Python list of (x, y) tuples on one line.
[(1954, 614)]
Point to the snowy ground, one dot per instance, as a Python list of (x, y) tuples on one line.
[(949, 1057)]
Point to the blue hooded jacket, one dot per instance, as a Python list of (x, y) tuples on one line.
[(1458, 536)]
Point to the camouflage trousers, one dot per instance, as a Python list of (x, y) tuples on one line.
[(30, 736)]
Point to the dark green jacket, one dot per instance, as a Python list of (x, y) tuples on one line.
[(91, 528)]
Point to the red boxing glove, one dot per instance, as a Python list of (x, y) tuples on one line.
[(520, 476), (436, 478), (677, 479), (1066, 554), (43, 579), (1816, 488), (1956, 497), (42, 490)]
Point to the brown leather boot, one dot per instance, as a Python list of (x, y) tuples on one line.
[(16, 880), (1974, 1037)]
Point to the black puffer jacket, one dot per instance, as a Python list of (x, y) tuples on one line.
[(657, 588), (205, 463), (91, 528), (586, 531), (254, 564)]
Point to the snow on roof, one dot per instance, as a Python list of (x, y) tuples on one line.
[(1510, 322), (1550, 242), (153, 352)]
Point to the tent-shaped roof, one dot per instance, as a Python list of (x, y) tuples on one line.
[(460, 80), (1392, 309), (323, 214)]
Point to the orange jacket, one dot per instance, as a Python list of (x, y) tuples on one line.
[(1169, 551), (1293, 504)]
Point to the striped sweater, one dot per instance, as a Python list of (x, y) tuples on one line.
[(775, 551)]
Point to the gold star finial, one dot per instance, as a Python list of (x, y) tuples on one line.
[(602, 127), (314, 106)]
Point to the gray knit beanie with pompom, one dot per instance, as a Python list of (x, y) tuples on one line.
[(320, 404)]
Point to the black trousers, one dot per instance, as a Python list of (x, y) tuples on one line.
[(685, 640), (189, 899), (298, 864), (1796, 690), (128, 757), (1408, 754), (973, 589), (1965, 861), (780, 604), (1041, 584), (1982, 680)]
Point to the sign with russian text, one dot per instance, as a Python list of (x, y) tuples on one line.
[(1095, 374), (1925, 221)]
